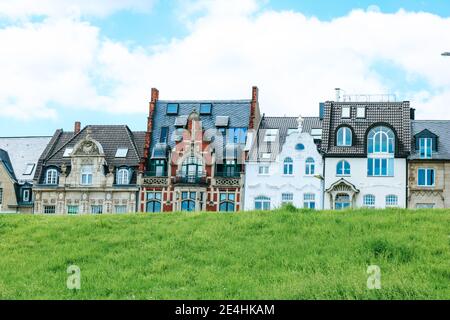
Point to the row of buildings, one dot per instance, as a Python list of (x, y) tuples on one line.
[(226, 156)]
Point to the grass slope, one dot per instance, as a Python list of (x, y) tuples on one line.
[(255, 255)]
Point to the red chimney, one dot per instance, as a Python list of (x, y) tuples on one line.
[(254, 109), (77, 127), (148, 136)]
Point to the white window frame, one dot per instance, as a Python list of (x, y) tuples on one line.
[(51, 177), (87, 175), (361, 112), (345, 131), (265, 203), (263, 170), (425, 145), (389, 203), (288, 166), (310, 167), (308, 200), (372, 202), (287, 197), (26, 195), (346, 112), (426, 177), (123, 176), (341, 164)]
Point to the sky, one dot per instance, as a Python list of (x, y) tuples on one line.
[(95, 61)]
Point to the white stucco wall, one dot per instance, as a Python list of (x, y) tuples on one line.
[(380, 187), (276, 183)]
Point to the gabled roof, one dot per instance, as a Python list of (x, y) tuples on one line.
[(283, 125), (438, 128), (396, 115), (23, 151), (111, 138), (237, 111)]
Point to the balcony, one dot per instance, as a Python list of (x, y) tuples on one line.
[(190, 179), (153, 178), (228, 174)]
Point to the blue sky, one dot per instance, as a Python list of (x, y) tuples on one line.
[(97, 66)]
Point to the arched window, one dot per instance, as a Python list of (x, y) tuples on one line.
[(188, 201), (288, 167), (369, 201), (391, 200), (123, 176), (51, 176), (227, 202), (380, 152), (310, 167), (343, 168), (262, 203), (344, 137), (192, 169)]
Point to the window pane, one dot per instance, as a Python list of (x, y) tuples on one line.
[(370, 167), (421, 177), (377, 167)]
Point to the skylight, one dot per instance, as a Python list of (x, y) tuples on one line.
[(67, 152), (29, 169), (205, 108), (122, 153), (172, 108)]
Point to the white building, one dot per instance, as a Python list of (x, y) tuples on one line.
[(285, 165), (365, 147)]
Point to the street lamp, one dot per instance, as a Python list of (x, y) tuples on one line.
[(446, 54)]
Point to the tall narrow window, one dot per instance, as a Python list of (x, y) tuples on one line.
[(188, 200), (344, 137), (425, 177), (310, 167), (51, 177), (164, 136), (426, 148), (1, 196), (380, 152), (343, 168), (86, 175), (26, 195), (288, 167), (123, 176)]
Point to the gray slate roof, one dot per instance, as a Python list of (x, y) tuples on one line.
[(282, 124), (394, 114), (238, 112), (111, 137), (24, 150), (441, 128)]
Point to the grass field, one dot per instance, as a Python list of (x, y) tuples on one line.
[(254, 255)]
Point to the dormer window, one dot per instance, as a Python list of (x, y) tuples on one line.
[(346, 111), (344, 137), (123, 176), (426, 148), (172, 108), (205, 108), (51, 177), (86, 175)]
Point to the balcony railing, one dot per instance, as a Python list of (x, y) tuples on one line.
[(154, 174), (190, 179), (232, 174)]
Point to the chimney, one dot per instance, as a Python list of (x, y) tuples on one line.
[(77, 127), (254, 108), (148, 136)]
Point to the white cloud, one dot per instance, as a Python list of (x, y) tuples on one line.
[(232, 44), (25, 8)]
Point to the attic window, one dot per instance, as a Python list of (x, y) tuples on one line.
[(222, 121), (122, 153), (181, 121), (67, 152), (205, 108), (29, 169), (172, 108), (266, 156), (316, 133), (271, 135), (361, 112), (346, 112)]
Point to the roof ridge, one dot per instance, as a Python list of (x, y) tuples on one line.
[(67, 142)]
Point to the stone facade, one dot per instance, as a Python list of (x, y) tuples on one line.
[(8, 198)]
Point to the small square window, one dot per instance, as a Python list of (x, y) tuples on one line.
[(172, 108), (361, 112), (205, 108), (346, 112), (263, 170), (266, 155)]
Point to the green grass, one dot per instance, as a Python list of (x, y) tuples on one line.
[(254, 255)]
